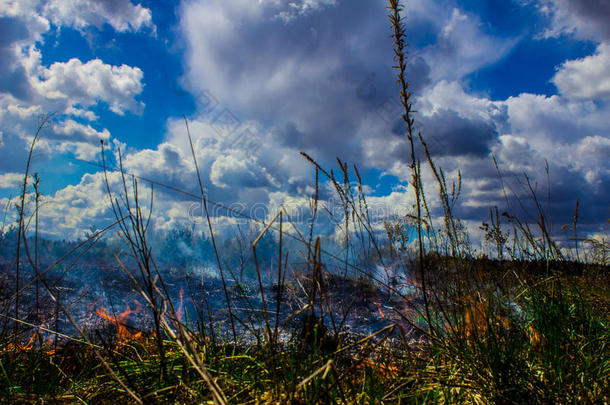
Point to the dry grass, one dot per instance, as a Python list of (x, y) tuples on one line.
[(531, 329)]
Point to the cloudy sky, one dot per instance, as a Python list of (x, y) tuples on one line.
[(524, 81)]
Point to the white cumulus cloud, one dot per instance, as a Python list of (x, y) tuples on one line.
[(122, 15), (87, 83), (587, 78), (29, 89)]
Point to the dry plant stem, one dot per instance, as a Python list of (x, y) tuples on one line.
[(313, 217), (258, 274), (207, 214), (274, 338), (142, 253), (325, 368), (347, 200), (547, 249), (316, 275), (280, 283), (389, 329), (401, 60), (432, 240), (345, 213), (53, 332), (36, 184), (575, 222), (444, 196), (544, 228), (239, 213), (364, 208), (359, 218), (364, 353), (250, 310), (298, 238), (186, 347), (6, 208), (217, 394), (59, 305), (134, 235), (21, 209), (39, 275), (370, 348), (338, 378), (204, 300), (99, 357)]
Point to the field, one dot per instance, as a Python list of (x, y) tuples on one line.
[(402, 311)]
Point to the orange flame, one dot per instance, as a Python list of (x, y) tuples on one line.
[(120, 322), (19, 348), (30, 343), (476, 321), (49, 344), (386, 370)]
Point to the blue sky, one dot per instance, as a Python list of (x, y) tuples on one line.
[(524, 81)]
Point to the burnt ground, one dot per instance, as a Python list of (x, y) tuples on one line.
[(358, 306)]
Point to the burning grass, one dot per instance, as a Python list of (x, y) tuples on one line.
[(548, 344), (408, 322), (124, 335)]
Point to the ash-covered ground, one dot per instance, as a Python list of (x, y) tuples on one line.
[(87, 292)]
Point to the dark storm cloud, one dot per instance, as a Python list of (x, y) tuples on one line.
[(596, 12), (587, 18), (13, 78), (484, 186), (448, 134), (316, 78), (323, 83)]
